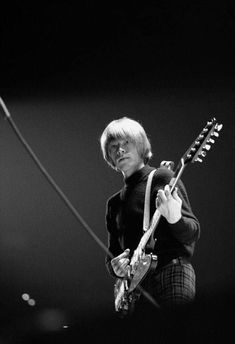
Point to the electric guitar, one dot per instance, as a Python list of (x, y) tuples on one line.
[(127, 290)]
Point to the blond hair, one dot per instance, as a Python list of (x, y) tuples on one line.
[(125, 128)]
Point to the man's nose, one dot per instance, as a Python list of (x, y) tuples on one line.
[(121, 150)]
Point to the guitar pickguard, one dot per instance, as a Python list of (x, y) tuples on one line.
[(140, 271)]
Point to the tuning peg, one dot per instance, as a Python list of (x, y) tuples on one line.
[(197, 143), (207, 147), (192, 149), (215, 134), (189, 156), (218, 127), (213, 120), (198, 160), (203, 154), (211, 140), (205, 130)]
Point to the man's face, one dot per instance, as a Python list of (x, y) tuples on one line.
[(125, 156)]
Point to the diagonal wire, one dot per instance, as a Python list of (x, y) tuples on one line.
[(61, 193)]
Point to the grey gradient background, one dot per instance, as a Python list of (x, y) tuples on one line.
[(67, 72)]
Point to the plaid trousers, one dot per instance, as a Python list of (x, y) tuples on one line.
[(172, 285)]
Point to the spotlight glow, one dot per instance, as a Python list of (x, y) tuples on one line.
[(25, 297), (31, 302)]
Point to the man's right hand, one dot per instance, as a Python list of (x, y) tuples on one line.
[(120, 264)]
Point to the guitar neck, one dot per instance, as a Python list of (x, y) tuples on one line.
[(157, 215), (195, 153)]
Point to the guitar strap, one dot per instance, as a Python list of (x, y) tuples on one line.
[(147, 201), (170, 166)]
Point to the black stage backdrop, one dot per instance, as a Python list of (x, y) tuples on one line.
[(66, 71)]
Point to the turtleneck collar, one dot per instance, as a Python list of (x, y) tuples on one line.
[(138, 175)]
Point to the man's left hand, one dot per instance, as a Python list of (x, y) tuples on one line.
[(169, 205)]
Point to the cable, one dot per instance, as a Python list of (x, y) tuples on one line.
[(50, 179), (60, 192)]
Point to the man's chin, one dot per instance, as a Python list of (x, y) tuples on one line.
[(121, 163)]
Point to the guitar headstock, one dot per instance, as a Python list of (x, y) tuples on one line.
[(199, 148)]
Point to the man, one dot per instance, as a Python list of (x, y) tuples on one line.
[(127, 149)]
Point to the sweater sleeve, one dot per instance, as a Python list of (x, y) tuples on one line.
[(187, 229)]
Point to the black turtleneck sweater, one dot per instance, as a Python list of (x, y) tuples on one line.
[(124, 219)]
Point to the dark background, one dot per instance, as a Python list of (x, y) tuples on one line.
[(66, 71)]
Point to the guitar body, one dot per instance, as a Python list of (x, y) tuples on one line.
[(125, 289), (122, 298), (147, 263)]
